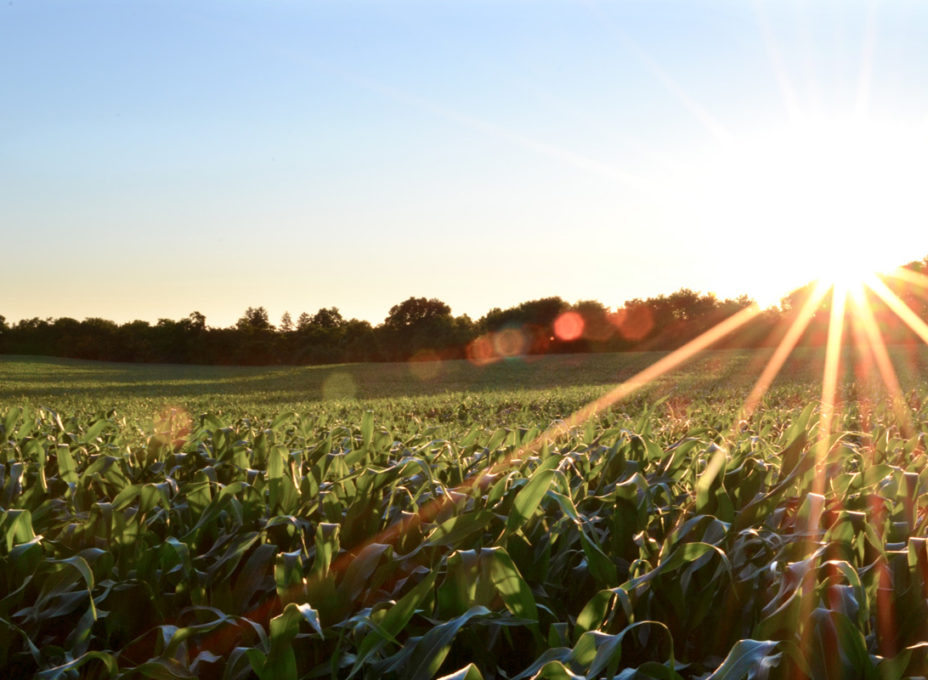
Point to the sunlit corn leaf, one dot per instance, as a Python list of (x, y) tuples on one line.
[(469, 672), (748, 659), (455, 530), (530, 495)]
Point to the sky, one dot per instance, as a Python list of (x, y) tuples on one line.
[(158, 158)]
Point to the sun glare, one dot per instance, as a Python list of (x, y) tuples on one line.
[(832, 201), (846, 269)]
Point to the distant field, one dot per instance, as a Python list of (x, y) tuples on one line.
[(68, 384), (56, 379), (406, 521)]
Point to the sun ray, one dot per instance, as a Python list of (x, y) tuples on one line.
[(873, 341), (816, 499), (771, 369), (877, 347), (884, 611), (431, 509), (648, 375), (902, 310), (909, 276), (770, 372), (863, 374), (830, 383), (783, 350)]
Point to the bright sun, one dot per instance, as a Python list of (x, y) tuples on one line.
[(848, 264), (833, 201)]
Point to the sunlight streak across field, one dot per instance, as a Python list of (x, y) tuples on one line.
[(909, 276), (843, 301), (646, 377), (642, 379), (830, 383), (902, 310), (877, 348), (783, 350), (794, 186)]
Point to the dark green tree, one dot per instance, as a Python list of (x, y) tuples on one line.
[(414, 312), (254, 319), (328, 317), (196, 322), (416, 325)]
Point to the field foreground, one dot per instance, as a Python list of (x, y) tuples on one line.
[(173, 522)]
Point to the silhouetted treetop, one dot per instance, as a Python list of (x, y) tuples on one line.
[(255, 319), (420, 328), (415, 310), (196, 321), (328, 317)]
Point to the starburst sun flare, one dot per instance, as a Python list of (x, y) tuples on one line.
[(829, 200)]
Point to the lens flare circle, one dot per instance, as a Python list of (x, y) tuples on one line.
[(510, 342), (568, 326)]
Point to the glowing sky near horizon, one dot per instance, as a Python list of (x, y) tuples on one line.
[(160, 158)]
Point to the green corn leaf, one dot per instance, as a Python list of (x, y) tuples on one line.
[(529, 496), (511, 586), (427, 654), (452, 532), (469, 672), (746, 660), (601, 567), (67, 468), (367, 430), (395, 619)]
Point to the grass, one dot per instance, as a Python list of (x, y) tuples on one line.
[(71, 383)]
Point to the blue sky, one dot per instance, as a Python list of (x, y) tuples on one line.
[(161, 157)]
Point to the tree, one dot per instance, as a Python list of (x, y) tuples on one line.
[(596, 323), (416, 325), (328, 318), (415, 311), (135, 342), (729, 306), (686, 305), (542, 312), (359, 343), (286, 323), (196, 321), (539, 313), (255, 319)]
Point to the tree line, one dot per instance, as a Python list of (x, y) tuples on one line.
[(424, 329)]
